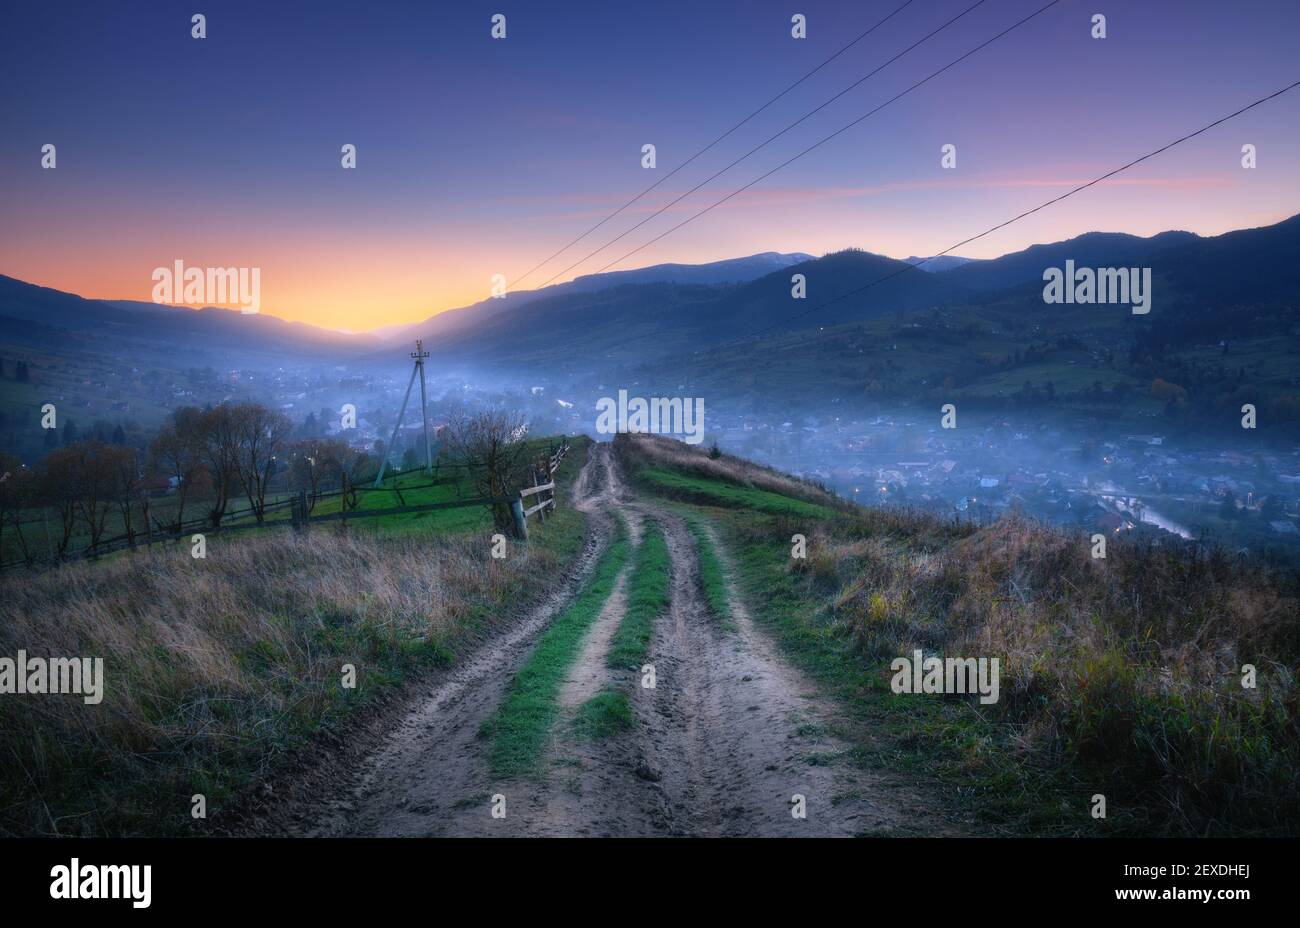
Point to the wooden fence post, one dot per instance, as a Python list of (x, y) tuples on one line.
[(521, 523), (298, 510)]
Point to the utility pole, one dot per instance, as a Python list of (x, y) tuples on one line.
[(419, 354)]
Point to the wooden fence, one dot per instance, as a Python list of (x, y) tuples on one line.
[(300, 517), (544, 491)]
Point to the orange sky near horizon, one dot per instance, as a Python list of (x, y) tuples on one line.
[(342, 284), (399, 268)]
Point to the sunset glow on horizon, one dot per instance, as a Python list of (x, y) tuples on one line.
[(478, 161)]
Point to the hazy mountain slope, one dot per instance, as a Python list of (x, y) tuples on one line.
[(479, 315), (769, 302), (1245, 266), (1243, 282), (1092, 249), (935, 265), (149, 325), (1242, 287), (634, 322), (582, 331)]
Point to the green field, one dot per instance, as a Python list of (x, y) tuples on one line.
[(414, 488)]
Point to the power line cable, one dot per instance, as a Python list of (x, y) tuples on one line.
[(1028, 212), (827, 138), (764, 144), (709, 146)]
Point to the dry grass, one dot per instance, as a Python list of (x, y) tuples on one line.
[(1127, 670), (1122, 676), (215, 668), (657, 450)]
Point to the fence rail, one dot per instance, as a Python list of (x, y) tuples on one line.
[(300, 514), (545, 471)]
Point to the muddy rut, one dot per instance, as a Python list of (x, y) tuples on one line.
[(730, 740)]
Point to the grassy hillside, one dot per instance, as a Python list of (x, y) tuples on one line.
[(448, 485), (216, 669), (1119, 676)]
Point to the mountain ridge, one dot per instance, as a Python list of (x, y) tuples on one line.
[(602, 317)]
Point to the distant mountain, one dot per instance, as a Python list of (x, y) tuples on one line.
[(30, 314), (1247, 266), (1209, 288), (1093, 249), (830, 296), (388, 331), (1238, 292), (730, 271), (1205, 289), (939, 264), (587, 326), (733, 270)]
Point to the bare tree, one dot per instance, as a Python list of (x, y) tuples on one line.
[(262, 434), (128, 488), (95, 478), (177, 453), (57, 487), (219, 434), (308, 468), (77, 481), (491, 445), (342, 463), (16, 492)]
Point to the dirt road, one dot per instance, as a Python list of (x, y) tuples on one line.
[(725, 743)]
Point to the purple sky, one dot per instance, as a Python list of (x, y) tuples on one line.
[(478, 156)]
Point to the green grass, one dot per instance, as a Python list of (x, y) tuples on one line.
[(967, 755), (961, 752), (718, 492), (945, 742), (521, 726), (410, 489), (647, 599), (713, 579), (188, 727), (605, 714), (1228, 760)]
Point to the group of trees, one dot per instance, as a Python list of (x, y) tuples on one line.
[(233, 451), (211, 457), (70, 433), (206, 461), (80, 484)]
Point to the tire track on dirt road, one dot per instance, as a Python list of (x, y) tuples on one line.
[(723, 742), (430, 772), (721, 745), (726, 739), (773, 732)]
